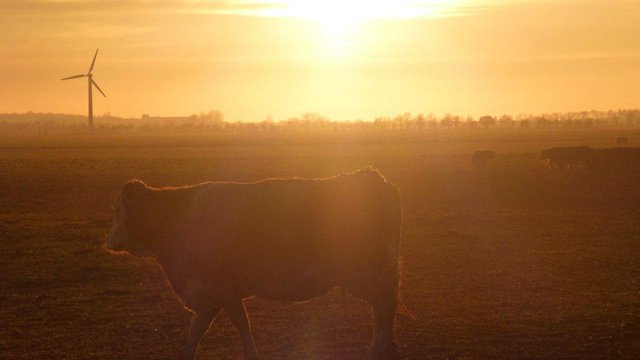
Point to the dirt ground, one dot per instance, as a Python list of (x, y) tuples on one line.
[(511, 262)]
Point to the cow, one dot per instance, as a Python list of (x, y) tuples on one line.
[(481, 158), (284, 239), (563, 158), (616, 160)]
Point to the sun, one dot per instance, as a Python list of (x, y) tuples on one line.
[(335, 18), (344, 28), (339, 18)]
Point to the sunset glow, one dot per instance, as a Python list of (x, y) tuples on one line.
[(356, 10), (343, 59), (342, 179), (338, 19)]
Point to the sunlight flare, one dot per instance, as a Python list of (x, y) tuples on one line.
[(340, 17), (339, 20), (359, 9)]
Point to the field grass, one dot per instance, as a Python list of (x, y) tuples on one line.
[(512, 262)]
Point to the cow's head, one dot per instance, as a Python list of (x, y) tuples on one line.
[(121, 238)]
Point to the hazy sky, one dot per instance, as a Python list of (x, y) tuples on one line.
[(343, 59)]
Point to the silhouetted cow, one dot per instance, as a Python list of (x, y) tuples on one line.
[(283, 239), (481, 158), (618, 160), (566, 157)]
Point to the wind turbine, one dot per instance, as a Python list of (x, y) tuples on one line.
[(92, 83)]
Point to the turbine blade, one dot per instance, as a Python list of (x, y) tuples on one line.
[(74, 77), (98, 87), (94, 60)]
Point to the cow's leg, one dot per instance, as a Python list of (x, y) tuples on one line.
[(382, 295), (200, 322), (238, 315), (382, 344)]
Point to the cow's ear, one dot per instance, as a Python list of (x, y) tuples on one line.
[(132, 191)]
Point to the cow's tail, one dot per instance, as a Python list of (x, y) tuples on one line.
[(394, 260)]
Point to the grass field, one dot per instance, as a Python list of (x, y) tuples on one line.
[(512, 262)]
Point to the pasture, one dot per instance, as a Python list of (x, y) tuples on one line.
[(510, 262)]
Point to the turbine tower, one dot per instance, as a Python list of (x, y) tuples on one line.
[(92, 83)]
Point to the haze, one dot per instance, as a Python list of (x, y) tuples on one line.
[(343, 59)]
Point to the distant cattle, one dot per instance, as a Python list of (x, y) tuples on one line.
[(481, 158), (622, 141), (564, 158), (283, 239), (619, 160)]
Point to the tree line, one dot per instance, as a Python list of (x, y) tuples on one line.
[(213, 121)]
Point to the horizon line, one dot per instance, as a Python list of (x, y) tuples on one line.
[(319, 115)]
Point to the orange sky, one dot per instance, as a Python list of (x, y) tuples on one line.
[(342, 59)]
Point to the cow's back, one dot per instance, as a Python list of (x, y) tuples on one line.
[(292, 239)]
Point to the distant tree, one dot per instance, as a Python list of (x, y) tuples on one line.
[(214, 117), (420, 121), (447, 121), (487, 121), (505, 122), (470, 123)]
